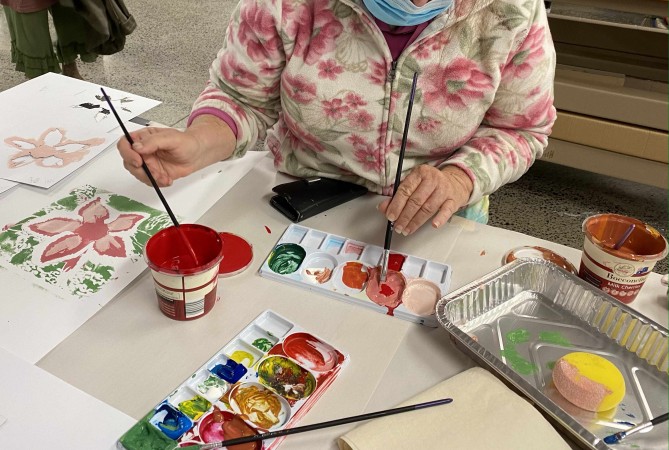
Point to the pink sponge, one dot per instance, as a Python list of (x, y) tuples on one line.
[(589, 381)]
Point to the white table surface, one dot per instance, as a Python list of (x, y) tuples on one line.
[(130, 356)]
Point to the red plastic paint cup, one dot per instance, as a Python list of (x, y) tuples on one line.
[(186, 288), (620, 272)]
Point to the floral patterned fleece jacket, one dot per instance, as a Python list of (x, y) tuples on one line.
[(316, 78)]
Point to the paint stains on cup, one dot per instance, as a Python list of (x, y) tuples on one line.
[(259, 405), (311, 352), (318, 268), (286, 378), (387, 293), (286, 258), (421, 296)]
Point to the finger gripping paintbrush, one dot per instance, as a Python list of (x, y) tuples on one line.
[(617, 437), (321, 425), (398, 176)]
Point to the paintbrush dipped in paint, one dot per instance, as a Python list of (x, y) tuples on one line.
[(321, 425), (398, 175), (624, 237), (617, 437), (151, 179)]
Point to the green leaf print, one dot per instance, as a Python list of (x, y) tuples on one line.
[(125, 204), (473, 161), (291, 163), (293, 110), (328, 135), (484, 48), (69, 203), (409, 67), (513, 16)]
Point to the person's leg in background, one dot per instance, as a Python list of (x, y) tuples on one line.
[(71, 30), (32, 49)]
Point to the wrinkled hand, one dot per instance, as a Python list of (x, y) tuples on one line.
[(427, 192), (168, 153)]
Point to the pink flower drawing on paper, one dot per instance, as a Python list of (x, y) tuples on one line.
[(76, 235), (52, 149)]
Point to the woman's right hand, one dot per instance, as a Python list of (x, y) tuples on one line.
[(171, 154), (168, 153)]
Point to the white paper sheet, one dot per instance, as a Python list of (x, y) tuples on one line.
[(58, 96), (35, 320), (6, 185), (43, 411)]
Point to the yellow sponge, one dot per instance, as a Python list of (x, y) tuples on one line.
[(589, 381)]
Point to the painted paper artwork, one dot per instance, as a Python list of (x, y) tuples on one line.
[(81, 243), (100, 108), (46, 158)]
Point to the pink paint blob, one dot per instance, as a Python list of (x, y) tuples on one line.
[(311, 352), (420, 296), (389, 292)]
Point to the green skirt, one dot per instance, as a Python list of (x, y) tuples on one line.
[(31, 45)]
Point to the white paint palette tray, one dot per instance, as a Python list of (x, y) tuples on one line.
[(265, 379), (348, 270)]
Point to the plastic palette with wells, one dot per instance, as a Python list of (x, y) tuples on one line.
[(265, 379), (348, 270)]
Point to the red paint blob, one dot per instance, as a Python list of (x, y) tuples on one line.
[(167, 251), (386, 290), (396, 261), (354, 275), (311, 352), (268, 230), (237, 255)]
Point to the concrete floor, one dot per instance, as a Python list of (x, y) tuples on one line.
[(168, 56)]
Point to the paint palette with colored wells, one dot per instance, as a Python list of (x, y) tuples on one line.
[(265, 379), (348, 270)]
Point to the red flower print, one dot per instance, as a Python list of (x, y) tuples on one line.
[(236, 73), (316, 30), (275, 147), (379, 71), (77, 235), (539, 114), (489, 146), (329, 69), (334, 109), (370, 158), (455, 85), (257, 30), (360, 119), (299, 89), (520, 63), (427, 125), (356, 140), (354, 100)]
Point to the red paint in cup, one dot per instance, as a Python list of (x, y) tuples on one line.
[(620, 272), (186, 289)]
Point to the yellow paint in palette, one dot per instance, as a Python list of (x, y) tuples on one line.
[(242, 357), (601, 371)]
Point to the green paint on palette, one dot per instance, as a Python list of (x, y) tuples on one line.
[(550, 365), (286, 258), (518, 363), (195, 407), (145, 436), (554, 337), (263, 344), (518, 336)]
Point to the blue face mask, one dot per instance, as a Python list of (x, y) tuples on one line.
[(404, 12)]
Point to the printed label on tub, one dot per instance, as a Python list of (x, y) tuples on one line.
[(348, 270), (265, 379)]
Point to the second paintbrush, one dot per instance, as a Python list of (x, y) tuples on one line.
[(398, 177)]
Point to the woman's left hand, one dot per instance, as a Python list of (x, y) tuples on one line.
[(427, 192)]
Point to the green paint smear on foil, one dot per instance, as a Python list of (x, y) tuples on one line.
[(554, 337), (286, 258), (144, 436), (518, 363), (550, 365)]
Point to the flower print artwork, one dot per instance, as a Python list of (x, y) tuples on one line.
[(52, 149), (81, 243), (100, 109)]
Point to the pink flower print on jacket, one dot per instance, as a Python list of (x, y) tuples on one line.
[(76, 235), (299, 89), (257, 31), (316, 31), (530, 53), (52, 149), (454, 85)]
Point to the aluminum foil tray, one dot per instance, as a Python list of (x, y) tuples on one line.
[(559, 313)]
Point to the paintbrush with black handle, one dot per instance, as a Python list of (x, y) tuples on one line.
[(617, 437), (398, 177)]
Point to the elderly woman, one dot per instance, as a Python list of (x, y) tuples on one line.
[(326, 84)]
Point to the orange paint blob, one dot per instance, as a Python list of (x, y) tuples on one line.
[(354, 275)]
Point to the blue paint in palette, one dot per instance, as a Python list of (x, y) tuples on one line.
[(170, 421), (231, 371)]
